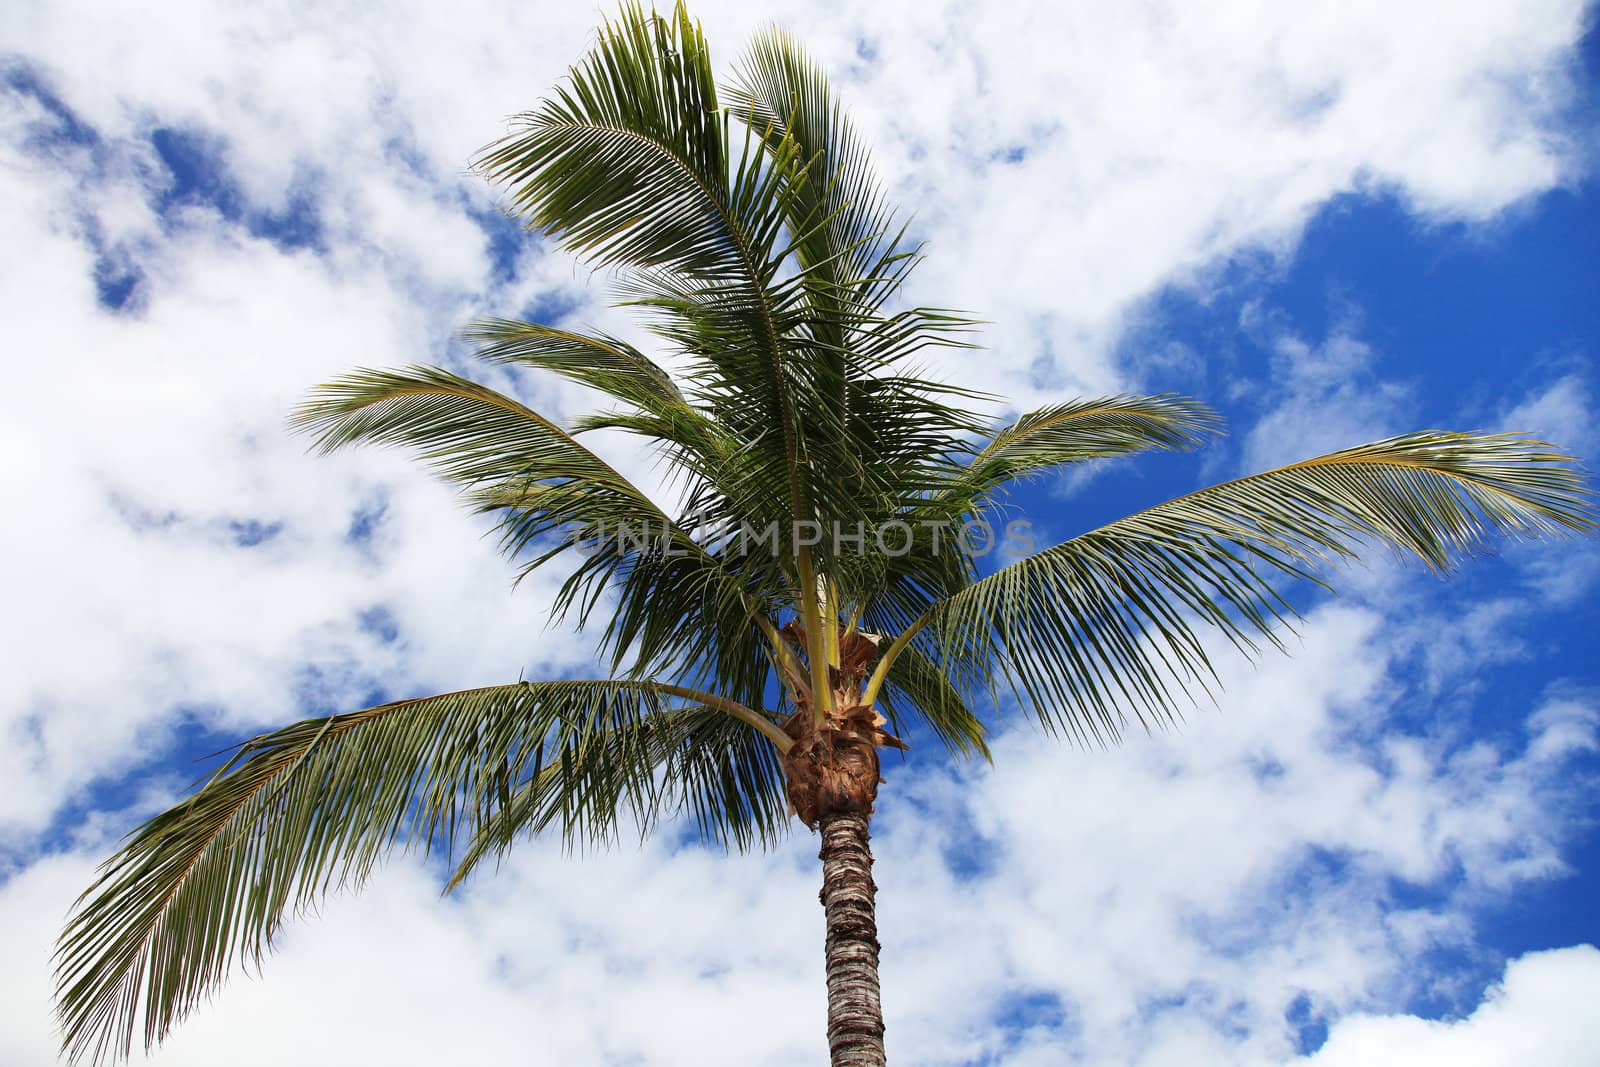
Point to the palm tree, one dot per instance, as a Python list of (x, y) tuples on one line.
[(810, 591)]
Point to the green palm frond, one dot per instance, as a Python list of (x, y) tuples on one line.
[(1089, 429), (696, 446), (850, 264), (600, 362), (857, 256), (1104, 624), (712, 769), (632, 165), (315, 806), (628, 161), (553, 498), (916, 688), (468, 433)]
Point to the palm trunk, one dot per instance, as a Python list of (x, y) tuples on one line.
[(855, 1015)]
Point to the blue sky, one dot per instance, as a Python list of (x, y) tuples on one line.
[(1333, 226)]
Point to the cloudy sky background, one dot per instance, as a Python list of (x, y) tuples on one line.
[(1333, 224)]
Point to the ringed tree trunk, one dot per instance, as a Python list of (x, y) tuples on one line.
[(832, 774), (855, 1012)]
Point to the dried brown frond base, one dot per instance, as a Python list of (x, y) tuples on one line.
[(833, 767)]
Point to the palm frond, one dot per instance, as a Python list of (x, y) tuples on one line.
[(467, 432), (555, 498), (1104, 625), (1081, 430), (918, 689), (612, 366), (853, 256), (711, 768), (631, 164), (627, 162), (316, 805), (857, 256)]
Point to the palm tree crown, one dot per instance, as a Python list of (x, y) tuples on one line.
[(811, 573)]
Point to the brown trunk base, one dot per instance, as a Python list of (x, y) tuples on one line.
[(834, 769)]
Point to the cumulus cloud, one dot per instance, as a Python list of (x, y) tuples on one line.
[(1541, 1013), (1562, 412), (1317, 397)]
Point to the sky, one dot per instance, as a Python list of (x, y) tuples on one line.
[(1332, 223)]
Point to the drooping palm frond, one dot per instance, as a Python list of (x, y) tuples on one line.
[(957, 489), (711, 768), (316, 805), (468, 433), (1103, 625), (725, 779)]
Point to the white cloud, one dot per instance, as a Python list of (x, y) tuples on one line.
[(154, 451), (1318, 397), (1561, 412), (1543, 1012), (1159, 137)]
